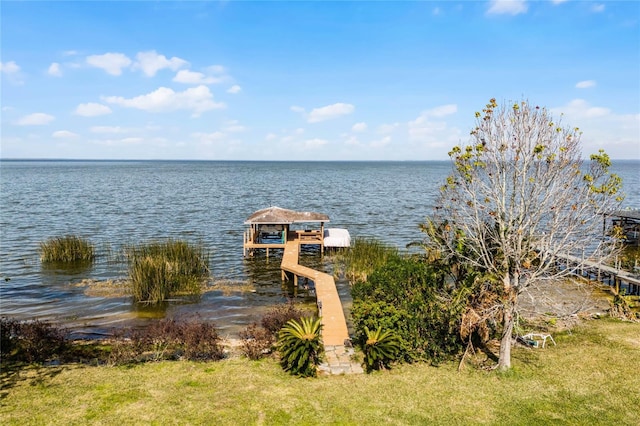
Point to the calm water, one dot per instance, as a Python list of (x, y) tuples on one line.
[(119, 203)]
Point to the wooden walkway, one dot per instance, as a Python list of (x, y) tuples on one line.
[(334, 325), (595, 270)]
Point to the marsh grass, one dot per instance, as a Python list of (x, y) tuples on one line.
[(589, 378), (67, 249), (365, 255), (159, 270)]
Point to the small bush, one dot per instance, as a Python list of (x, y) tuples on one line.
[(300, 346), (30, 341), (66, 249), (256, 341), (380, 349), (166, 340), (277, 317), (162, 269), (201, 341), (9, 329)]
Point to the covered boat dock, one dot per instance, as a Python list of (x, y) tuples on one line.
[(276, 228), (273, 227), (629, 223)]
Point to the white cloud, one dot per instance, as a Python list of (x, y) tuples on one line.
[(270, 137), (585, 84), (111, 63), (234, 89), (315, 143), (70, 53), (54, 70), (92, 109), (387, 128), (598, 8), (424, 127), (602, 128), (192, 77), (558, 1), (296, 108), (579, 109), (234, 126), (35, 119), (151, 62), (441, 111), (359, 127), (108, 129), (353, 141), (431, 130), (509, 7), (217, 69), (330, 112), (9, 67), (12, 71), (64, 134), (381, 142), (131, 140), (196, 99), (209, 138)]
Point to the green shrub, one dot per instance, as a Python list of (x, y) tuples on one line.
[(380, 349), (411, 299), (159, 270), (66, 249), (300, 346)]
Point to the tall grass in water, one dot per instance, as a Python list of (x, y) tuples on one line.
[(159, 270), (66, 249), (365, 255)]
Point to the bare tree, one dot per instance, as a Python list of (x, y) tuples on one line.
[(520, 198)]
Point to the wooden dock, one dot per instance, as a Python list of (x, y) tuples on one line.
[(604, 273), (334, 324)]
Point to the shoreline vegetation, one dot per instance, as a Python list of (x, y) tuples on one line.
[(588, 378)]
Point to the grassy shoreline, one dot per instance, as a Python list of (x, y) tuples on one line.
[(590, 377)]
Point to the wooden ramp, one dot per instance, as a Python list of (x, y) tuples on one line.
[(334, 325)]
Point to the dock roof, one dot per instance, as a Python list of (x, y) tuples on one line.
[(626, 214), (277, 215)]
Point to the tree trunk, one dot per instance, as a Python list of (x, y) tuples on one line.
[(504, 360)]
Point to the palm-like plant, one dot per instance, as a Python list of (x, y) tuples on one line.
[(300, 347), (380, 348)]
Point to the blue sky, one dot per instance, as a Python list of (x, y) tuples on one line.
[(307, 80)]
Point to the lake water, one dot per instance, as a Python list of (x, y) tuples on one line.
[(118, 203)]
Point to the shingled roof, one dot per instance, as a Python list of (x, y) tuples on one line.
[(277, 215)]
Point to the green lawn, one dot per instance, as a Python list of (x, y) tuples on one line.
[(591, 377)]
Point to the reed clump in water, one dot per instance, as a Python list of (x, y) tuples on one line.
[(67, 249), (159, 270), (365, 255)]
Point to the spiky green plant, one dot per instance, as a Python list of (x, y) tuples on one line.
[(159, 270), (380, 348), (300, 346), (66, 249)]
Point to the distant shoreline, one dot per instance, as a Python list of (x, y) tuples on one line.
[(129, 160)]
